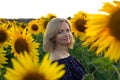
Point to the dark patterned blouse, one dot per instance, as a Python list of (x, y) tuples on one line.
[(74, 70)]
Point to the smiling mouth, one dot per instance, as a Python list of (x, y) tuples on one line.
[(66, 39)]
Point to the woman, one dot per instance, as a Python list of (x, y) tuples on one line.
[(57, 40)]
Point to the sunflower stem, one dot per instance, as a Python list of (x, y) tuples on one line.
[(118, 73)]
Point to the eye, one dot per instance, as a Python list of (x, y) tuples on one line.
[(59, 32), (67, 30)]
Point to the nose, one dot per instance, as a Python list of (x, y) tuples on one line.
[(66, 34)]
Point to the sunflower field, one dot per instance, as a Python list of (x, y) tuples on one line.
[(97, 46)]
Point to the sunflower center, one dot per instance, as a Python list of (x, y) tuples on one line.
[(34, 76), (34, 27), (21, 45), (45, 24), (80, 25), (23, 26), (3, 36), (2, 20), (114, 25), (51, 17)]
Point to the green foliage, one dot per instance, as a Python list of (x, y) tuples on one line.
[(97, 67), (2, 72), (39, 38)]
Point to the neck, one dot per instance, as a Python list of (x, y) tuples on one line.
[(59, 53), (61, 49)]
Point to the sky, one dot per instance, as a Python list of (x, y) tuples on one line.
[(37, 8)]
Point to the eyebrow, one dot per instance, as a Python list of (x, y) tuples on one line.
[(65, 29), (61, 30)]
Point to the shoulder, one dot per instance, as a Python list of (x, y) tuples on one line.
[(74, 70)]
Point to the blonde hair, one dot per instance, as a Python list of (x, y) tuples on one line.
[(51, 31)]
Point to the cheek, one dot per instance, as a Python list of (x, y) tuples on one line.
[(57, 38)]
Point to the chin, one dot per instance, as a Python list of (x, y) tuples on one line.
[(67, 43)]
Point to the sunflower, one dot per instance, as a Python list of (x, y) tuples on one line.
[(103, 31), (78, 23), (2, 21), (16, 24), (20, 25), (50, 16), (4, 35), (21, 42), (44, 21), (2, 57), (24, 68), (34, 27)]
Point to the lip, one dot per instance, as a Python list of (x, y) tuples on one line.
[(66, 39)]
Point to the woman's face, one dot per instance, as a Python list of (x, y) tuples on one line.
[(63, 35)]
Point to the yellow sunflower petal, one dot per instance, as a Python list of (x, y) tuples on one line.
[(103, 31), (78, 23), (21, 42), (108, 7), (34, 70), (4, 35), (2, 57), (34, 27), (44, 21)]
